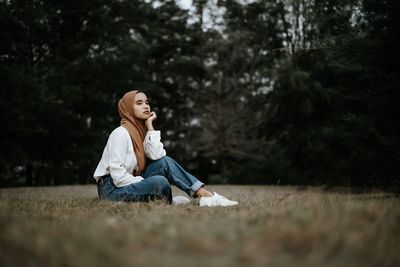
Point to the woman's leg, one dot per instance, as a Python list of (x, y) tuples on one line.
[(176, 175), (151, 188)]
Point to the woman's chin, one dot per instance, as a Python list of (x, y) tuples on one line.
[(144, 117)]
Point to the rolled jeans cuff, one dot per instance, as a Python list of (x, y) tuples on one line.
[(196, 186)]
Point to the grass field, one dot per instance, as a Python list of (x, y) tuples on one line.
[(272, 226)]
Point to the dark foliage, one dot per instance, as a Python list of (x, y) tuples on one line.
[(288, 91)]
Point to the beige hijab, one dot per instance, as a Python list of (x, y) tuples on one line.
[(136, 128)]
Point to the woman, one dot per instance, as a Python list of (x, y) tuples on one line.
[(134, 166)]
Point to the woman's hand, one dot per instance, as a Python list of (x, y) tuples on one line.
[(149, 121)]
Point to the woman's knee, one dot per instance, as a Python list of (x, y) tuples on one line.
[(165, 160)]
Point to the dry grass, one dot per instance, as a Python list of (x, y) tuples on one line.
[(272, 226)]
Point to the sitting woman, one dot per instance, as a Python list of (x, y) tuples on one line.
[(125, 174)]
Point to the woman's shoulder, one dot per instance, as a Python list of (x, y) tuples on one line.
[(119, 131)]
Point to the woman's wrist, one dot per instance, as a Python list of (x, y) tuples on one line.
[(149, 121), (149, 126)]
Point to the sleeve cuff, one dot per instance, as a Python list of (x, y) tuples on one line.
[(153, 135), (154, 132)]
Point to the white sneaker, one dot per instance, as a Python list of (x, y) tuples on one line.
[(180, 200), (216, 200)]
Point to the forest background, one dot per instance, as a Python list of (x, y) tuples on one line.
[(299, 92)]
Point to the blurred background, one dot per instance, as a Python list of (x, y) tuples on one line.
[(301, 92)]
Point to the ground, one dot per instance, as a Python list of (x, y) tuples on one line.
[(272, 226)]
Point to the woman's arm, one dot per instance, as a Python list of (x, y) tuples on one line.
[(149, 121), (153, 148)]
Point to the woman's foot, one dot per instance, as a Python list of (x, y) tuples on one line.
[(202, 192), (216, 200), (180, 200), (212, 199)]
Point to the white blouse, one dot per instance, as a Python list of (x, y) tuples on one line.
[(119, 159)]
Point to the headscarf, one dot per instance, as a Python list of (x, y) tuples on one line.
[(136, 128)]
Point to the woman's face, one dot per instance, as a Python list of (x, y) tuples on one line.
[(141, 106)]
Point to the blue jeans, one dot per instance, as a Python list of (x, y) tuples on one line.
[(158, 176)]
